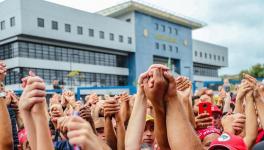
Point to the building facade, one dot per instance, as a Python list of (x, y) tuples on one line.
[(108, 48)]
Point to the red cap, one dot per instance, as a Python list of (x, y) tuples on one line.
[(204, 132), (216, 109), (22, 136), (229, 141)]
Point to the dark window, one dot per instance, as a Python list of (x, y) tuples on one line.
[(129, 40), (176, 31), (214, 57), (101, 34), (164, 47), (223, 58), (91, 32), (210, 56), (41, 22), (195, 53), (157, 45), (205, 55), (54, 25), (201, 54), (12, 21), (128, 20), (163, 28), (218, 58), (177, 49), (111, 36), (79, 30), (121, 39), (170, 29), (67, 28), (2, 25), (156, 26), (170, 47)]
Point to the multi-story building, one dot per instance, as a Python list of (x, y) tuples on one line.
[(108, 48), (207, 60)]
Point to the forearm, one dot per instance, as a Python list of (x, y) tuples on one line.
[(187, 107), (160, 123), (260, 109), (43, 135), (125, 111), (30, 128), (19, 122), (239, 106), (251, 127), (227, 101), (90, 120), (120, 133), (6, 138), (110, 133), (136, 123), (179, 126)]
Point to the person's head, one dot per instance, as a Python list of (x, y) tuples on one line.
[(198, 100), (148, 135), (208, 135), (99, 126)]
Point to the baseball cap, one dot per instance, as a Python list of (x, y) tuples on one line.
[(230, 141), (149, 118), (204, 132)]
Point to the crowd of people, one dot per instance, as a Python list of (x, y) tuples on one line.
[(164, 114)]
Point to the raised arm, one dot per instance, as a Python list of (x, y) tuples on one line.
[(136, 123), (155, 89), (260, 106), (242, 90), (177, 121), (251, 129)]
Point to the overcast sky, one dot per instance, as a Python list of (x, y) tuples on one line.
[(236, 24)]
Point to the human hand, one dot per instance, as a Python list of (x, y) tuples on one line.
[(124, 97), (93, 99), (33, 93), (68, 97), (3, 70), (85, 112), (155, 88), (243, 89), (172, 86), (238, 123), (111, 107), (56, 112), (203, 121), (184, 87), (81, 134)]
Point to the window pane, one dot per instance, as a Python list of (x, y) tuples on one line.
[(41, 22), (12, 21), (54, 25), (2, 25), (67, 28), (101, 35), (121, 38), (80, 30), (91, 32)]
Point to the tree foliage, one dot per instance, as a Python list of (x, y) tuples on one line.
[(256, 71)]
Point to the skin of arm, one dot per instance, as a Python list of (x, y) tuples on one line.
[(137, 119), (244, 87), (125, 109), (6, 139), (120, 131), (155, 89), (251, 128), (227, 101), (260, 107), (179, 129)]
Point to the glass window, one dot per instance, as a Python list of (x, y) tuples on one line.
[(223, 58), (157, 45), (67, 28), (79, 30), (2, 25), (41, 22), (156, 26), (210, 56), (170, 47), (164, 46), (170, 29), (205, 55), (177, 49), (176, 31), (195, 53), (129, 40), (101, 34), (91, 32), (121, 38), (54, 25), (218, 58), (111, 37), (214, 57), (201, 54), (12, 21), (163, 28)]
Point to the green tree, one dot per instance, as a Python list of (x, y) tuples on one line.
[(256, 71)]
